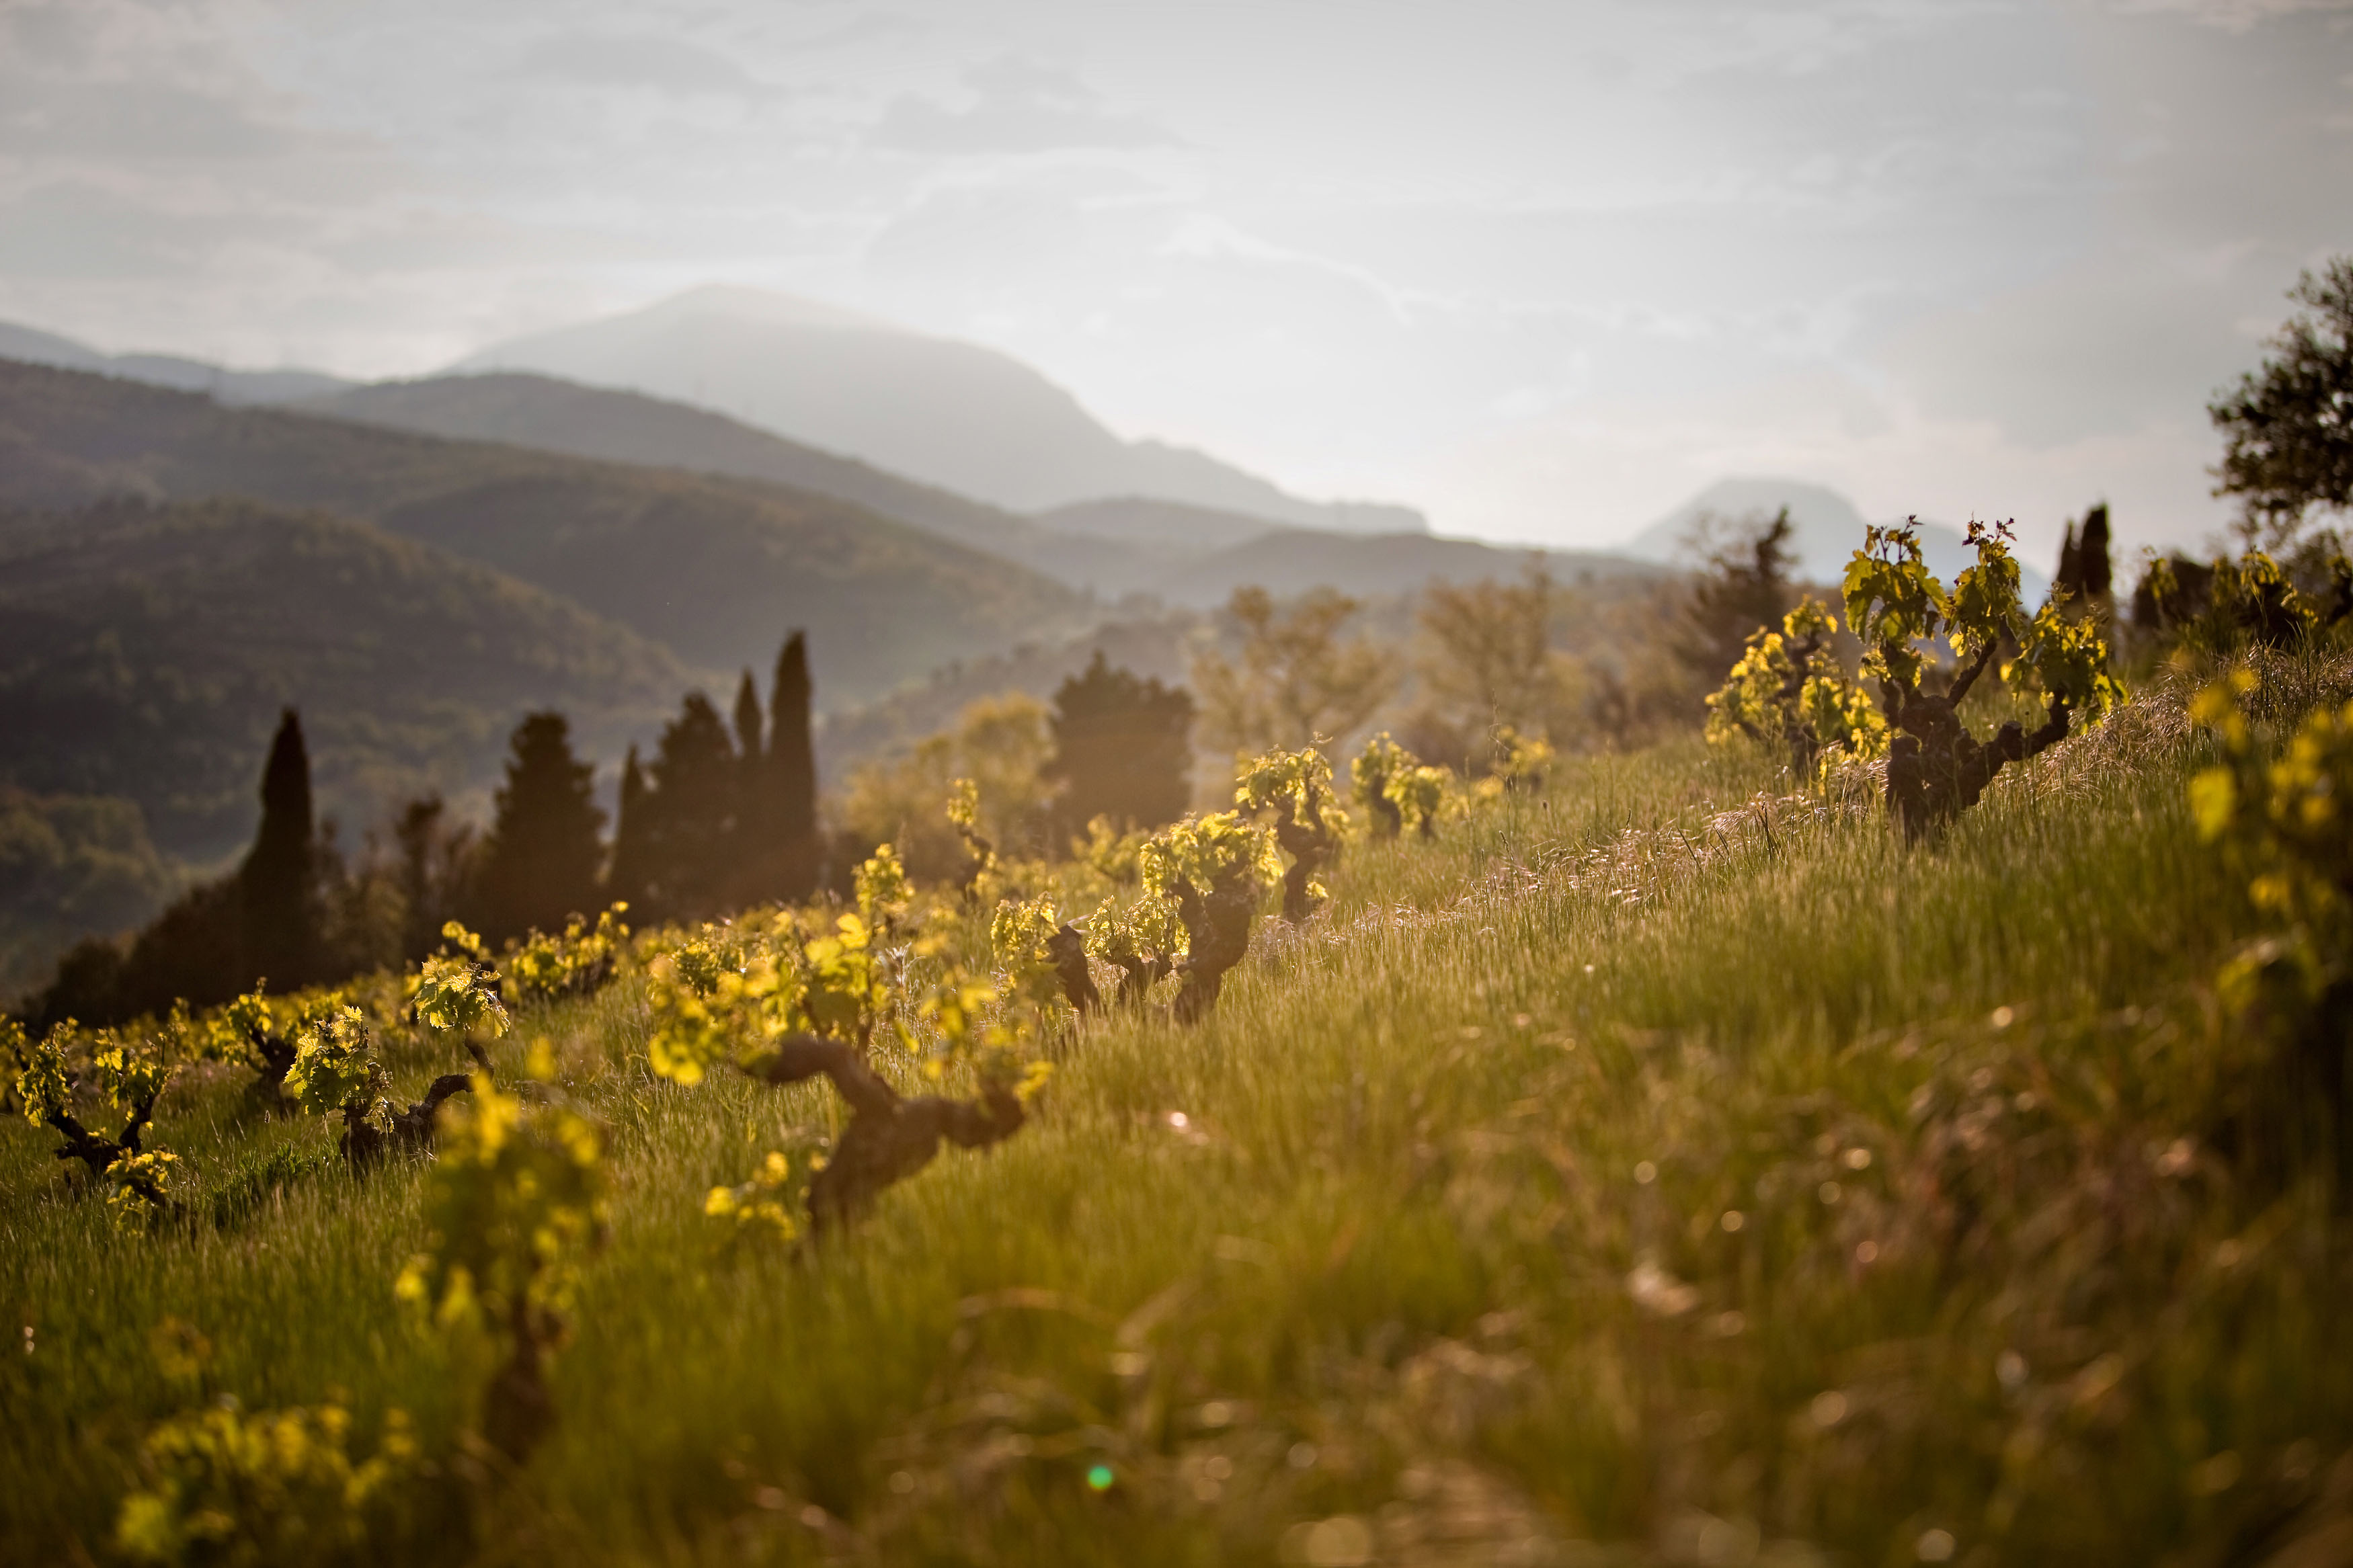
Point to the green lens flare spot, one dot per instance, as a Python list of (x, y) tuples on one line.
[(1098, 1477)]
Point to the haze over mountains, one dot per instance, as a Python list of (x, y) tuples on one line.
[(935, 409), (32, 346), (418, 564)]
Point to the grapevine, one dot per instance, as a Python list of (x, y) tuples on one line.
[(542, 969), (2279, 814), (1935, 769), (1786, 690), (1215, 869), (130, 1077), (513, 1204), (335, 1074), (1044, 954), (277, 1486), (1296, 786)]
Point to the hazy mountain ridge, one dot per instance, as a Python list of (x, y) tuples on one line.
[(34, 346), (1293, 561), (714, 569), (1114, 546), (941, 411), (604, 424)]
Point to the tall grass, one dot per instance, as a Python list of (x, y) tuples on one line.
[(1670, 1168)]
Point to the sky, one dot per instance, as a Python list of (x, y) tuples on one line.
[(1543, 270)]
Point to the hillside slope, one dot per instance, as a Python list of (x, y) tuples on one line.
[(145, 652), (949, 412), (1672, 1168), (37, 347), (1291, 560), (715, 570), (549, 414)]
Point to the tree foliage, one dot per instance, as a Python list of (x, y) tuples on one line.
[(546, 847), (1743, 588), (1122, 749), (1298, 682), (1487, 657), (2289, 428)]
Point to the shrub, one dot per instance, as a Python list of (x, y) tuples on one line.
[(277, 1486)]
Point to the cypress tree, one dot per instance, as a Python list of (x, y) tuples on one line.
[(747, 718), (1123, 746), (2097, 565), (693, 840), (544, 844), (791, 785), (632, 838), (274, 883)]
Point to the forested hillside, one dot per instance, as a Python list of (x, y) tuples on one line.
[(146, 650), (710, 568)]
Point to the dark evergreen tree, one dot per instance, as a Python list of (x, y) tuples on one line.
[(628, 881), (747, 718), (2085, 569), (2096, 564), (790, 787), (434, 866), (539, 865), (692, 838), (275, 883), (1123, 746)]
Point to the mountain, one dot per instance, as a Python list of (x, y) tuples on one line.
[(715, 570), (145, 651), (231, 386), (1828, 530), (1291, 560), (947, 413), (549, 414), (1113, 547), (1160, 529)]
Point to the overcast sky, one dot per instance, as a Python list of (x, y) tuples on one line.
[(1541, 268)]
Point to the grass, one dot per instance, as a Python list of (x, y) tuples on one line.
[(1667, 1170)]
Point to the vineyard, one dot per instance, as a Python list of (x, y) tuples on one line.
[(1909, 1124)]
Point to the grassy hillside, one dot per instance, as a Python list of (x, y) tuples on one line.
[(1668, 1169), (715, 570), (145, 652)]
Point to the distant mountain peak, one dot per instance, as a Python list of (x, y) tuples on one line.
[(953, 414), (769, 307)]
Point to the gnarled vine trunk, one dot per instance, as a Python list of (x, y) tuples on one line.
[(1068, 949), (890, 1137), (364, 1143), (1936, 770), (1218, 928), (1310, 843)]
